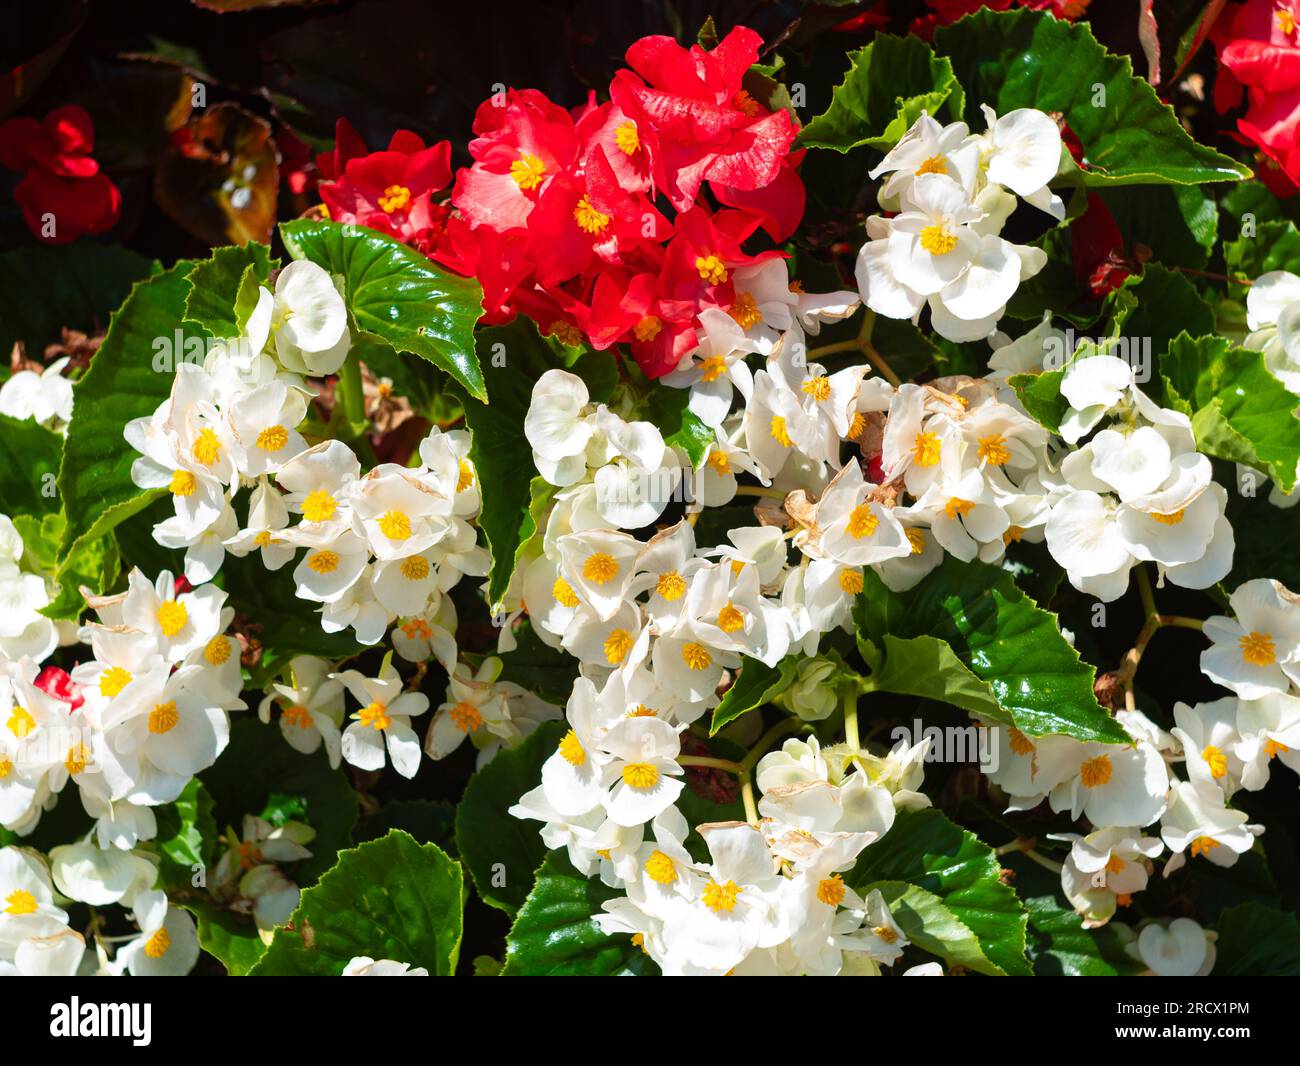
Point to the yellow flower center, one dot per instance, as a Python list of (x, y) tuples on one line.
[(719, 462), (163, 718), (415, 568), (956, 506), (1274, 748), (660, 868), (21, 723), (376, 715), (183, 483), (1096, 772), (395, 198), (565, 332), (77, 759), (641, 774), (730, 619), (20, 902), (1115, 865), (273, 438), (617, 645), (1216, 760), (721, 897), (625, 136), (1171, 519), (113, 680), (172, 617), (994, 451), (742, 101), (1019, 743), (712, 368), (936, 164), (779, 433), (466, 717), (938, 241), (1258, 648), (1013, 533), (862, 522), (1285, 21), (298, 716), (323, 561), (207, 447), (465, 475), (395, 525), (1203, 846), (851, 581), (671, 586), (6, 766), (745, 310), (647, 329), (916, 538), (528, 172), (885, 933), (217, 650), (696, 656), (589, 219), (711, 269), (570, 749), (830, 890), (563, 593), (319, 506), (156, 946), (856, 427), (599, 568), (926, 449), (819, 387)]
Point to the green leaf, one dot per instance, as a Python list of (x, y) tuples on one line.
[(888, 84), (1273, 246), (554, 935), (189, 836), (93, 563), (1040, 395), (29, 464), (1060, 946), (258, 763), (225, 283), (46, 288), (1178, 223), (1028, 58), (1004, 639), (1258, 941), (755, 685), (1150, 309), (429, 821), (398, 294), (932, 927), (389, 899), (925, 849), (231, 938), (500, 851), (95, 476), (1239, 410), (927, 667)]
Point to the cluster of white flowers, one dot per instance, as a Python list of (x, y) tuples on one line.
[(152, 711), (953, 192)]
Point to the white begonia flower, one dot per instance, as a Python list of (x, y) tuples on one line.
[(475, 708), (268, 515), (398, 514), (179, 622), (264, 423), (1132, 464), (384, 721), (715, 482), (1180, 949), (45, 397), (27, 899), (364, 966), (598, 566), (774, 418), (1256, 651), (1269, 729), (309, 321), (927, 148), (1106, 864), (620, 642), (641, 773), (23, 629), (558, 428), (1022, 151), (429, 634), (332, 566), (1273, 315), (357, 609), (852, 528), (321, 482), (168, 944), (715, 370), (311, 707), (446, 459), (57, 955), (1092, 386), (1207, 734), (1112, 784), (101, 876), (573, 775), (1199, 822)]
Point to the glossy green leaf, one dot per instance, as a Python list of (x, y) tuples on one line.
[(398, 294), (925, 849), (887, 86), (29, 465), (1060, 946), (1003, 638), (1028, 58), (389, 899), (929, 924), (554, 935), (231, 938), (755, 685), (225, 283)]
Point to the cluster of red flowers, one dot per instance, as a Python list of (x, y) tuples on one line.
[(559, 216), (63, 194), (1259, 58)]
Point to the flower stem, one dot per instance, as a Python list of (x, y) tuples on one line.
[(764, 743), (709, 761), (758, 490)]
